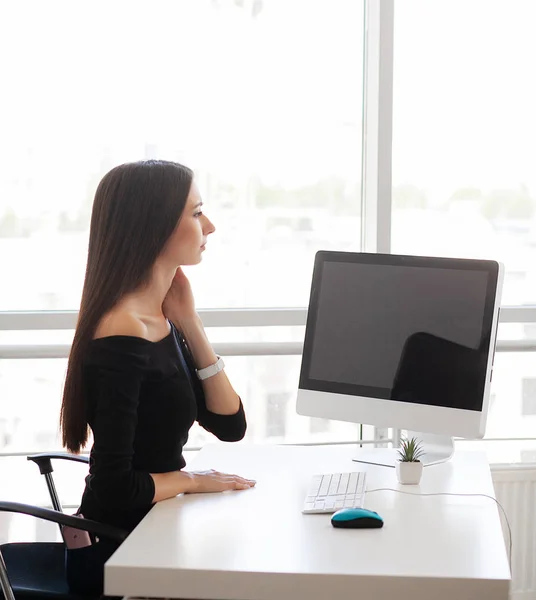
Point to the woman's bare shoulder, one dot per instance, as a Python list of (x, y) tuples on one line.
[(121, 322)]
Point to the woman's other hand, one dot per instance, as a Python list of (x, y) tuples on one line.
[(214, 481)]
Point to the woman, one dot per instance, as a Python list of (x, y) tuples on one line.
[(141, 369)]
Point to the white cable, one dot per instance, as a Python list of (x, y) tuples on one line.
[(453, 494)]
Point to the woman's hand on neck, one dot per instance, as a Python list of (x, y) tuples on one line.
[(179, 304)]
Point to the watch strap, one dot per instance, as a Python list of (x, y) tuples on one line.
[(211, 370)]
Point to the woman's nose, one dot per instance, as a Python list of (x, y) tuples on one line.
[(209, 227)]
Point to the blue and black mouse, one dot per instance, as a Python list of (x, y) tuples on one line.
[(356, 518)]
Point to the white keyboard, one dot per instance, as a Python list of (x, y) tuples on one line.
[(332, 491)]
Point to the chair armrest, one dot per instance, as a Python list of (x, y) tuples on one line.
[(43, 460), (94, 527)]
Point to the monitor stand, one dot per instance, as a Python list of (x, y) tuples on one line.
[(437, 449)]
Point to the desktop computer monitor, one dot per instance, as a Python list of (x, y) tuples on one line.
[(404, 342)]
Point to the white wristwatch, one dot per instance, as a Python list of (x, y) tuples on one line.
[(211, 370)]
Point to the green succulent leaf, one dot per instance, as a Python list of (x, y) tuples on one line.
[(410, 450)]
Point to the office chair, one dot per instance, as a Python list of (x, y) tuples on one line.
[(36, 570)]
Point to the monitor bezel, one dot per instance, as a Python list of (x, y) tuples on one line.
[(343, 391)]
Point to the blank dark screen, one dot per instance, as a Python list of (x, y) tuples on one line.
[(412, 333)]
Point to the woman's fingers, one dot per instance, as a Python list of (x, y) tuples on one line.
[(237, 482)]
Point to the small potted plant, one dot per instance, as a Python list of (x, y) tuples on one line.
[(408, 465)]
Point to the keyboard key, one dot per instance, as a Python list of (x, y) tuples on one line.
[(343, 485), (324, 488), (334, 486)]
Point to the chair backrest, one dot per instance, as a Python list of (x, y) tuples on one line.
[(44, 462), (38, 568), (65, 522)]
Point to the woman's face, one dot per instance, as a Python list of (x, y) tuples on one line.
[(187, 243)]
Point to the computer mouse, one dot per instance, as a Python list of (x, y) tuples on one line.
[(356, 518)]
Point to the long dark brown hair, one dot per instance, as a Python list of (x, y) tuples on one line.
[(136, 209)]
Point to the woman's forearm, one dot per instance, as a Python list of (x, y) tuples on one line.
[(220, 396), (168, 485)]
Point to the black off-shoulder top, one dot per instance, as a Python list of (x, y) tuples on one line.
[(142, 398)]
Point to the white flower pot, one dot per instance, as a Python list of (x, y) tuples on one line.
[(409, 472)]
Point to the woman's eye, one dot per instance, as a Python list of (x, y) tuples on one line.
[(198, 214)]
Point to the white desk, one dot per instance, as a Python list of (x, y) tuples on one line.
[(257, 545)]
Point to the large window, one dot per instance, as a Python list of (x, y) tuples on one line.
[(263, 98)]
